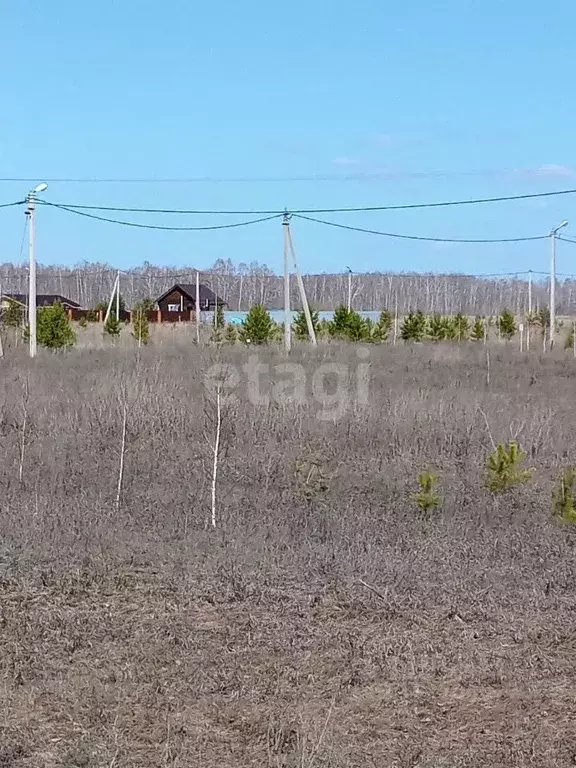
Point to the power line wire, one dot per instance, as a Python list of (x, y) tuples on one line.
[(361, 209), (359, 176), (11, 205), (416, 237), (207, 274), (23, 238), (157, 226)]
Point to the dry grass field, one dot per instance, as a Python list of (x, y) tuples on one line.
[(324, 623)]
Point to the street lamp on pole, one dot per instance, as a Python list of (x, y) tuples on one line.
[(31, 213), (553, 236), (349, 288)]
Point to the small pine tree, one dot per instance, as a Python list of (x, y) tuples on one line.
[(564, 496), (543, 320), (219, 325), (323, 329), (112, 327), (301, 326), (357, 327), (53, 328), (413, 327), (449, 328), (427, 497), (258, 326), (371, 331), (383, 326), (219, 321), (102, 305), (569, 343), (461, 327), (339, 325), (140, 325), (230, 334), (277, 332), (507, 324), (503, 468), (13, 315), (478, 329), (436, 328)]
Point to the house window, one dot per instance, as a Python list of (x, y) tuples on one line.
[(173, 307)]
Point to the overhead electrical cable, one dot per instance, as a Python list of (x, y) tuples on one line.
[(360, 209), (158, 226), (418, 237), (377, 175)]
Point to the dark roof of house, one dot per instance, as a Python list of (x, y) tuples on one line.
[(42, 299), (189, 290)]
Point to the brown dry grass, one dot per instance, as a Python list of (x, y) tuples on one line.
[(140, 637)]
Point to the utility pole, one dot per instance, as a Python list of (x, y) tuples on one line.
[(115, 292), (118, 296), (302, 289), (529, 291), (197, 304), (553, 236), (287, 318), (1, 313), (349, 289), (32, 309)]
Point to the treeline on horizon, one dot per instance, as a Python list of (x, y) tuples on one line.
[(243, 286)]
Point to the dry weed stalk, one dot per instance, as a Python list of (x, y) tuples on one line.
[(122, 453)]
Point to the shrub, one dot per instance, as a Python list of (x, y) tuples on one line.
[(324, 329), (383, 326), (140, 326), (358, 329), (478, 329), (219, 321), (258, 326), (53, 328), (102, 305), (276, 332), (507, 324), (543, 320), (112, 327), (427, 497), (436, 328), (83, 323), (230, 334), (13, 315), (348, 324), (461, 326), (414, 327), (503, 468), (569, 343), (301, 326), (338, 326), (563, 496)]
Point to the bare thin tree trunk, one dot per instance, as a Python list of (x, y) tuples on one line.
[(216, 452), (122, 455)]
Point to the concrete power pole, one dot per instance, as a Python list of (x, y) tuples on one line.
[(553, 236), (32, 308), (287, 318), (349, 304), (197, 307), (302, 289)]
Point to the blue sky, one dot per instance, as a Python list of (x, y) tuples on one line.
[(420, 93)]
